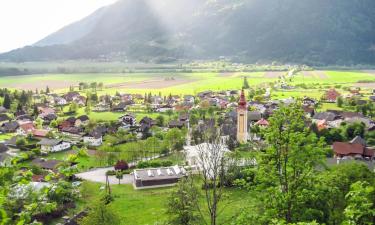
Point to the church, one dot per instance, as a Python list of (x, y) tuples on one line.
[(242, 133)]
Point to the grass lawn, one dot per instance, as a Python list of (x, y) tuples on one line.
[(4, 137), (84, 163), (149, 206)]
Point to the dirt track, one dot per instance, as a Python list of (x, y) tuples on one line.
[(42, 84), (273, 74)]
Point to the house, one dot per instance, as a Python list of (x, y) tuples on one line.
[(80, 100), (71, 96), (372, 98), (176, 124), (331, 95), (309, 101), (69, 122), (164, 108), (59, 101), (82, 121), (309, 110), (93, 139), (4, 118), (49, 118), (356, 149), (53, 145), (39, 133), (205, 94), (157, 177), (26, 128), (24, 117), (189, 99), (121, 107), (102, 107), (44, 111), (9, 127), (128, 120), (46, 164), (262, 123), (327, 116)]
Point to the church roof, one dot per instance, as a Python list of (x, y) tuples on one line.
[(242, 103)]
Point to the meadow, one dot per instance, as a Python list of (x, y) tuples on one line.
[(183, 83)]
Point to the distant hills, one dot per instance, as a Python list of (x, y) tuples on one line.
[(313, 32)]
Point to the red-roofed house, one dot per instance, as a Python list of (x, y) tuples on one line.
[(263, 123), (331, 95), (26, 128), (40, 133), (344, 149)]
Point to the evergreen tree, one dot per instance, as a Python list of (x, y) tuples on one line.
[(47, 90), (7, 101), (245, 83)]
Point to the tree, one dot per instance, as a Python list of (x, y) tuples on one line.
[(160, 120), (88, 108), (7, 101), (286, 168), (245, 83), (101, 214), (182, 204), (340, 101), (119, 176), (121, 165), (360, 209), (212, 164), (73, 107), (47, 90)]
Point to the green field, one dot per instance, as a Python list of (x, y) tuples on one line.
[(189, 83), (149, 206)]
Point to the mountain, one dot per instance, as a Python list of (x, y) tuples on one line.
[(313, 32)]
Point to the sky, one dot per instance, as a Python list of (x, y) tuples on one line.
[(24, 22)]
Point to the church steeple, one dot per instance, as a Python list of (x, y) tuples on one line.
[(242, 119)]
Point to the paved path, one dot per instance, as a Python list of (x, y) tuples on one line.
[(98, 175)]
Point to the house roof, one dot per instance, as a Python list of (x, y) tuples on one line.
[(27, 126), (49, 142), (262, 122), (254, 115), (343, 148), (164, 173), (358, 140), (4, 117), (328, 116), (83, 118), (46, 164), (40, 133), (10, 126)]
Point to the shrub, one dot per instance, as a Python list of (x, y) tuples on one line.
[(121, 165)]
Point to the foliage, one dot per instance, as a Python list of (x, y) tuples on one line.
[(360, 209), (101, 214), (183, 202), (286, 168)]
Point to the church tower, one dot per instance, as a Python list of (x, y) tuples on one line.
[(242, 119)]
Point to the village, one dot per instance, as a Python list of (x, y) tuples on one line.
[(156, 140)]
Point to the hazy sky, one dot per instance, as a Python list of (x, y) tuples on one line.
[(24, 22)]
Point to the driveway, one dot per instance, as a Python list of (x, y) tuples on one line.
[(98, 175)]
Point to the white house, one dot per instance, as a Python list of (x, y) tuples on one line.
[(53, 145), (94, 139), (60, 101)]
